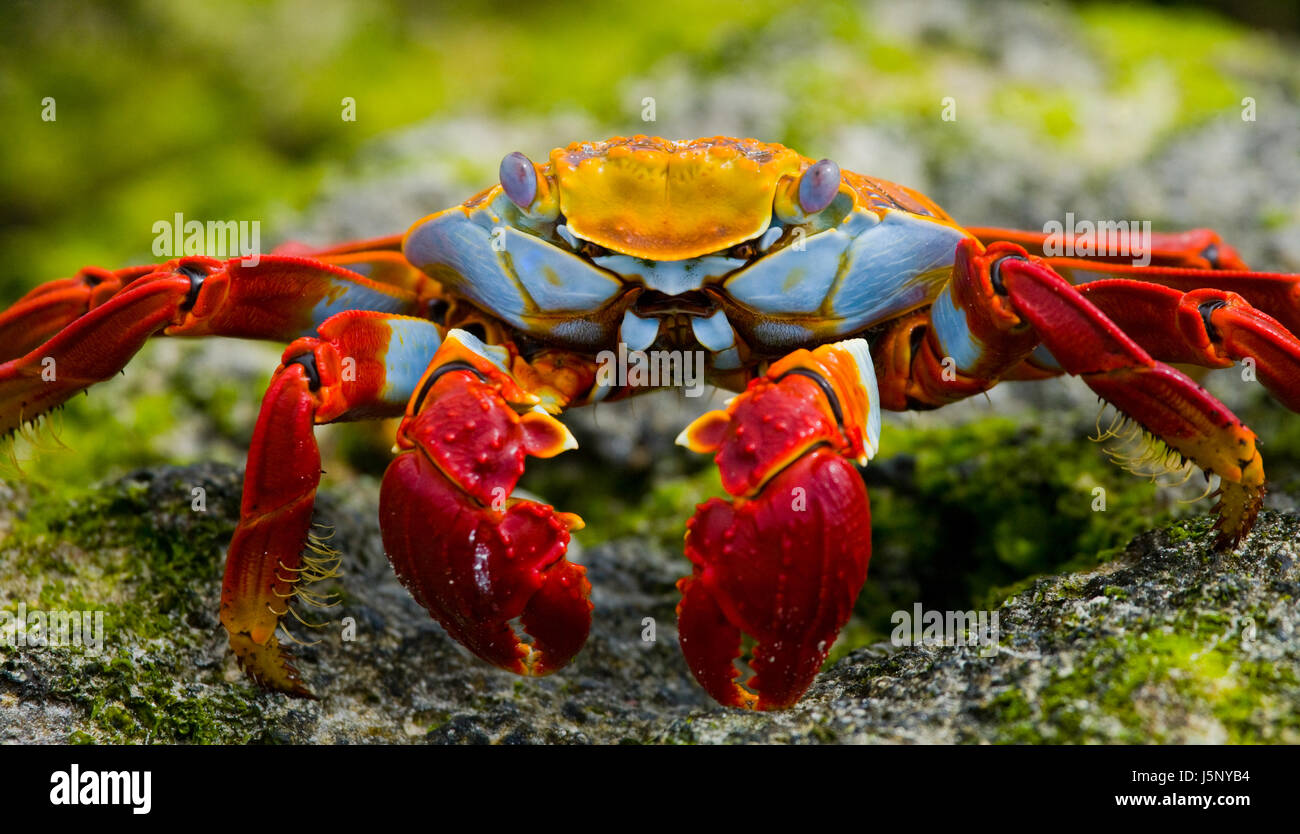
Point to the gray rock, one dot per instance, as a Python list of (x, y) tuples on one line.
[(1167, 644)]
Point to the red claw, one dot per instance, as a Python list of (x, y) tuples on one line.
[(785, 568), (475, 569), (785, 558), (474, 557)]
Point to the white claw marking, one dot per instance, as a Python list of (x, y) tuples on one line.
[(858, 349)]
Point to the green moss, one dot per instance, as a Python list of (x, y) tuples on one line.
[(964, 516), (1259, 686), (160, 564), (153, 554), (131, 699), (1057, 713), (136, 700), (1196, 673)]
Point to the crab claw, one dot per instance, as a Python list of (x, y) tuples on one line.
[(785, 568), (476, 569), (785, 558), (474, 557)]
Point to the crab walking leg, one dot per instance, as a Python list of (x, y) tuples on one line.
[(1276, 294), (280, 299), (970, 338), (1208, 327), (784, 559), (1161, 399), (476, 557), (388, 243), (1189, 262), (365, 365), (91, 349), (43, 312), (377, 259), (1197, 249), (50, 307), (1186, 261), (1003, 305)]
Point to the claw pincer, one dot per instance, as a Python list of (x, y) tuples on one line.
[(474, 556), (785, 558)]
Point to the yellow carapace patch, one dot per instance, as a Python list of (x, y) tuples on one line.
[(670, 200)]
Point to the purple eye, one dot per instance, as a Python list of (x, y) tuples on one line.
[(818, 186), (519, 179)]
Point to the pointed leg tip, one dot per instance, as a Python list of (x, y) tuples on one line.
[(269, 666)]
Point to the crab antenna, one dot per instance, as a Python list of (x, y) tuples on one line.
[(817, 187), (519, 179)]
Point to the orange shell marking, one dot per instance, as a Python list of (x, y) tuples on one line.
[(663, 200)]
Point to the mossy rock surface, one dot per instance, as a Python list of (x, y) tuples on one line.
[(1164, 643)]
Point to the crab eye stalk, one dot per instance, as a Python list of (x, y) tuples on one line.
[(818, 186), (519, 179)]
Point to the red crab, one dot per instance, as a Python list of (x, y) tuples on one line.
[(819, 294)]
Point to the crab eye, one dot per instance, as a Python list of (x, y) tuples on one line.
[(519, 179), (818, 186)]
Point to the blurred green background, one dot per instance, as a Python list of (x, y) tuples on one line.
[(220, 109), (233, 111)]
